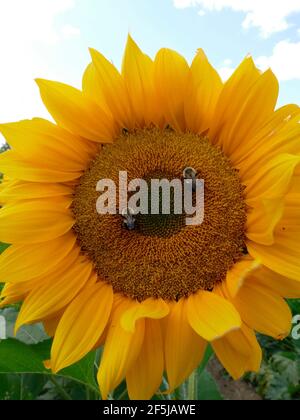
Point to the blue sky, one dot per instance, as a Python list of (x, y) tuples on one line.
[(50, 39)]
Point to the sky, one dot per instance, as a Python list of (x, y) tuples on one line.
[(50, 39)]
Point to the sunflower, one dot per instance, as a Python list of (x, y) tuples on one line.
[(154, 296)]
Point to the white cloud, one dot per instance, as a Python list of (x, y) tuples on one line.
[(225, 72), (284, 61), (226, 69), (227, 62), (23, 21), (69, 31), (27, 29), (268, 15)]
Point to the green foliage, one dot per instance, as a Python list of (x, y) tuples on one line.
[(295, 306), (22, 371), (22, 364), (21, 358), (21, 387), (4, 148), (279, 377), (18, 357), (3, 247), (208, 389)]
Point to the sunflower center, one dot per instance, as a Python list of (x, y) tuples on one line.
[(161, 256)]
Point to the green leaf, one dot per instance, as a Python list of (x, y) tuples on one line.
[(201, 385), (208, 355), (207, 388), (83, 372), (189, 389), (3, 247), (21, 387), (17, 357), (295, 306), (20, 358)]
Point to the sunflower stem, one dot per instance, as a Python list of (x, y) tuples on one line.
[(193, 381), (192, 387), (181, 393), (60, 389)]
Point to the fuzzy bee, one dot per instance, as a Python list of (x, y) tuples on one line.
[(189, 174), (129, 221)]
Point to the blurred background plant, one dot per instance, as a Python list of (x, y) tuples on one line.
[(279, 377)]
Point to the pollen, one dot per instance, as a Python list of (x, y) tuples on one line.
[(162, 257)]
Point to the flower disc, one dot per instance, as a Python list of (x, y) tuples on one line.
[(162, 257)]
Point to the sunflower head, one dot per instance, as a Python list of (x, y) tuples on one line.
[(151, 288), (158, 259)]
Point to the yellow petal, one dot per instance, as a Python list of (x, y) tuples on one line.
[(18, 190), (262, 220), (282, 257), (21, 263), (81, 326), (121, 350), (14, 166), (262, 146), (145, 376), (91, 87), (184, 348), (101, 341), (253, 110), (284, 286), (211, 316), (265, 192), (263, 310), (76, 112), (114, 90), (33, 222), (50, 326), (138, 73), (11, 301), (63, 149), (202, 94), (285, 140), (150, 308), (232, 98), (171, 73), (5, 182), (273, 180), (282, 141), (237, 275), (56, 293), (15, 293), (239, 352)]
